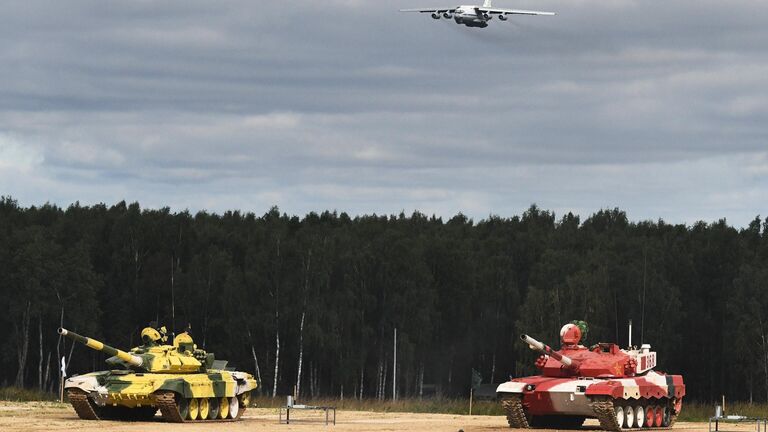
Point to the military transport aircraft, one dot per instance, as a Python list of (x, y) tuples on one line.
[(474, 16)]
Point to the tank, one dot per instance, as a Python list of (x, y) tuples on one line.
[(618, 387), (183, 382)]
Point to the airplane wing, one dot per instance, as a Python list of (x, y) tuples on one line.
[(498, 11), (427, 10)]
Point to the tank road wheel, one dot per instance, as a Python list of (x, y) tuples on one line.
[(658, 419), (620, 417), (213, 407), (183, 404), (650, 416), (639, 416), (630, 416), (234, 407), (223, 408), (204, 409), (194, 409), (666, 418)]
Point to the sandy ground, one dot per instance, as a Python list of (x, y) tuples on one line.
[(45, 416)]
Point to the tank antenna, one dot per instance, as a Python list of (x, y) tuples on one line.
[(642, 313)]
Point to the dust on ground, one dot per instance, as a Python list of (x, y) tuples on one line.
[(50, 416)]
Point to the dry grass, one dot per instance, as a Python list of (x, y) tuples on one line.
[(697, 411), (16, 394), (410, 405)]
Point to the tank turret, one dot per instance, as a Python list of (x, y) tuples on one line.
[(600, 360), (151, 357)]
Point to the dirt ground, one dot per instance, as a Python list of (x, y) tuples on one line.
[(47, 416)]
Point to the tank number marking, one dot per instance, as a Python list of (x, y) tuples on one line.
[(647, 362)]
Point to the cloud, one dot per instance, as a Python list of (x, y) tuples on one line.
[(15, 156), (655, 107)]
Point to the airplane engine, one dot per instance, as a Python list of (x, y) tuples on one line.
[(503, 17), (436, 15), (487, 17), (447, 15)]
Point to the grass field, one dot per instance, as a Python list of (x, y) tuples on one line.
[(15, 394), (413, 405)]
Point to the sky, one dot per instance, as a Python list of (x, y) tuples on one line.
[(659, 108)]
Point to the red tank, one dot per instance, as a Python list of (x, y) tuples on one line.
[(618, 387)]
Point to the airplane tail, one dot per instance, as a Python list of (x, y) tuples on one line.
[(488, 3)]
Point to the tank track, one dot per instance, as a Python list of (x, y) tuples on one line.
[(673, 416), (166, 401), (604, 411), (82, 405), (513, 407)]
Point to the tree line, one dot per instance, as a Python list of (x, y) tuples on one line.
[(309, 304)]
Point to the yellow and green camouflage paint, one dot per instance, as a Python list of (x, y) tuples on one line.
[(180, 379)]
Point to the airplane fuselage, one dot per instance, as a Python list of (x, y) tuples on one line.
[(470, 17)]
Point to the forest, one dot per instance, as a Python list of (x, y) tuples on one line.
[(312, 302)]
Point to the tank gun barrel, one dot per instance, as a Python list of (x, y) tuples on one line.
[(546, 350), (131, 359)]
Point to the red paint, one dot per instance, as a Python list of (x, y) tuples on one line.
[(659, 416), (571, 336), (601, 370), (650, 416)]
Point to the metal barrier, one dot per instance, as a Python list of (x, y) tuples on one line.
[(291, 406), (738, 419)]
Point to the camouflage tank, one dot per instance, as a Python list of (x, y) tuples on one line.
[(185, 383), (617, 387)]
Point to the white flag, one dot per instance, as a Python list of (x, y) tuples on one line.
[(63, 367)]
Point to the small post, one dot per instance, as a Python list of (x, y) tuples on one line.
[(62, 375), (724, 410), (288, 406), (630, 334), (471, 393)]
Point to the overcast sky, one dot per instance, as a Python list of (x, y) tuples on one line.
[(657, 107)]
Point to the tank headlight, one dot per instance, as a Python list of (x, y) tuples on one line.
[(530, 387)]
